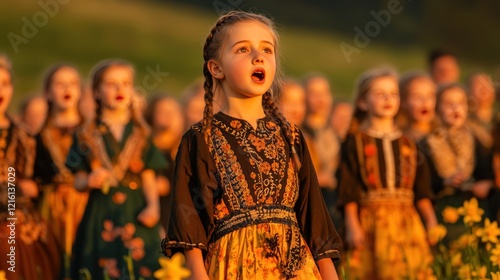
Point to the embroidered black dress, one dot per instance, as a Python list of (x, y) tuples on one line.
[(246, 207)]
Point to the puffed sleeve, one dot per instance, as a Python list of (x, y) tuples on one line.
[(348, 175), (312, 214), (422, 184), (190, 224)]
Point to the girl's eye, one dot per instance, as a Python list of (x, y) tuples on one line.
[(243, 50), (268, 50)]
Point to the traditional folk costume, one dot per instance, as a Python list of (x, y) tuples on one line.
[(245, 206), (61, 205), (450, 152), (36, 252), (382, 174), (110, 241)]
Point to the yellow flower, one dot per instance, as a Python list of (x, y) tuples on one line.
[(471, 211), (481, 273), (2, 275), (436, 234), (450, 215), (464, 272), (172, 268), (495, 276), (490, 232), (456, 260), (426, 274), (495, 255)]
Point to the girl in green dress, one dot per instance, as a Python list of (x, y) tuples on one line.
[(115, 159)]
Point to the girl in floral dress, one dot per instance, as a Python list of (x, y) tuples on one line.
[(380, 182), (116, 161), (25, 238), (246, 200), (60, 203)]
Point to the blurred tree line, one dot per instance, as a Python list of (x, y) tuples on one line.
[(468, 28)]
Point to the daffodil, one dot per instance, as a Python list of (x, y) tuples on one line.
[(490, 232), (450, 215), (464, 272), (2, 275), (471, 211), (481, 273), (172, 268), (495, 255), (436, 234), (456, 260), (495, 276)]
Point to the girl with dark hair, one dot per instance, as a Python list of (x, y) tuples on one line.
[(246, 200)]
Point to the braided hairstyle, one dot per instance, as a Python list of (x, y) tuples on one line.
[(212, 51)]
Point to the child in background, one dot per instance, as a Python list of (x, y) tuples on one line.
[(165, 116), (246, 202), (115, 160), (458, 170), (321, 139), (293, 102), (418, 105), (61, 205), (380, 183), (443, 67), (33, 114), (36, 254), (341, 118)]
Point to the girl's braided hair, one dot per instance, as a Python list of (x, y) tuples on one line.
[(212, 51)]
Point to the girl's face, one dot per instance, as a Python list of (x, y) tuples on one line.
[(341, 118), (194, 109), (382, 100), (35, 114), (65, 89), (421, 101), (482, 91), (6, 90), (168, 116), (453, 107), (293, 104), (319, 97), (248, 63), (446, 70), (117, 87)]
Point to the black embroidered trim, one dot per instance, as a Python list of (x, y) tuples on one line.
[(253, 216)]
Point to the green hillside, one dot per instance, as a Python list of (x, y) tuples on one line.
[(167, 38)]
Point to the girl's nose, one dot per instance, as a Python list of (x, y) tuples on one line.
[(258, 58)]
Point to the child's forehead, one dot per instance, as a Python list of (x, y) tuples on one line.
[(250, 30)]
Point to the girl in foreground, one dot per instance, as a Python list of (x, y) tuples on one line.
[(246, 201), (381, 180)]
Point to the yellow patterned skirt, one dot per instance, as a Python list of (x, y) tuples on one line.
[(62, 206), (262, 251), (395, 243)]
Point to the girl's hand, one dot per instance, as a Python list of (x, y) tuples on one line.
[(355, 237), (97, 178), (150, 216), (455, 180), (28, 187), (481, 189)]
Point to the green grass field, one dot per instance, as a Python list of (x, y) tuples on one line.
[(168, 37)]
